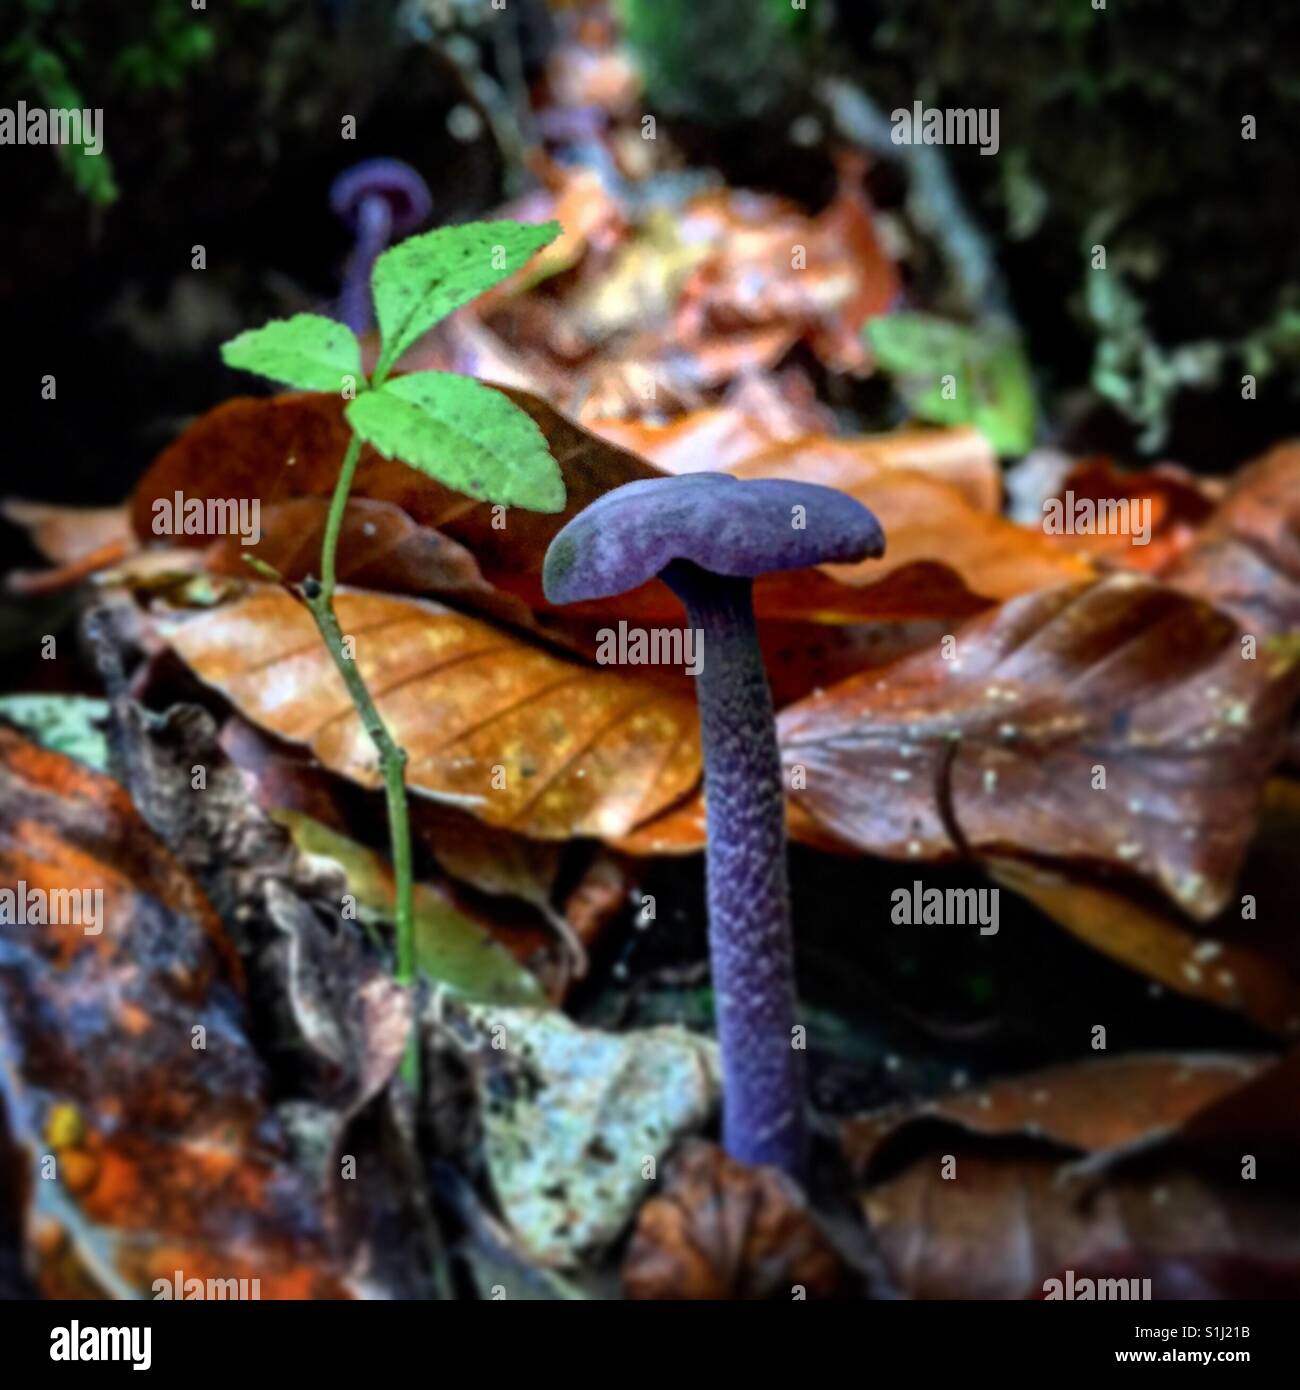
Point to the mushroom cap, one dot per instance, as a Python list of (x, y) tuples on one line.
[(720, 523), (401, 186)]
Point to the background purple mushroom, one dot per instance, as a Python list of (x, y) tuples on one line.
[(708, 536), (382, 201)]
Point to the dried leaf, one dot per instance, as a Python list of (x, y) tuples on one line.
[(1246, 558), (721, 1230), (1121, 675), (166, 1158), (552, 748), (980, 1196), (291, 446), (1109, 1103), (1157, 509), (379, 547), (926, 522)]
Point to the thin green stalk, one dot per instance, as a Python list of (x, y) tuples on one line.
[(392, 758)]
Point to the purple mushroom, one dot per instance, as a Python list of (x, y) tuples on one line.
[(708, 536), (382, 201)]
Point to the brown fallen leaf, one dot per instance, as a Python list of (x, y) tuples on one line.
[(1108, 1103), (552, 748), (945, 558), (845, 278), (1246, 558), (166, 1157), (721, 1230), (1243, 974), (379, 548), (980, 1196), (725, 439), (1166, 502), (926, 521), (1001, 744), (1247, 958), (78, 540), (288, 447), (1004, 1225), (64, 535)]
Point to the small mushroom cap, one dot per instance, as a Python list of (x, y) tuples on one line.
[(406, 193), (741, 529)]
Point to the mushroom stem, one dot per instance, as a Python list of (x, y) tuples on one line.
[(374, 228), (750, 942)]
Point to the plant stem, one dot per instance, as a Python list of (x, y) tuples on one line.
[(319, 598)]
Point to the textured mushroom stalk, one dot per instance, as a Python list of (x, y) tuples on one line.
[(750, 945), (709, 536)]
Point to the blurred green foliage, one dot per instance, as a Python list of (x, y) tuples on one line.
[(1123, 127), (86, 53), (717, 62), (951, 374)]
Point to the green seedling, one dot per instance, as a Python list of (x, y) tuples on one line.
[(452, 428)]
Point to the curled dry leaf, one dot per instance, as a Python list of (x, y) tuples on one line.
[(719, 1229), (79, 541), (552, 749), (1006, 744), (67, 534), (167, 1154)]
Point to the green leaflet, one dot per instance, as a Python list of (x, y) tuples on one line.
[(450, 948), (991, 385), (423, 279), (307, 351), (464, 434)]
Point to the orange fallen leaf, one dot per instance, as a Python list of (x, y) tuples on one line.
[(926, 521), (162, 1162), (552, 748), (724, 439), (1141, 520)]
